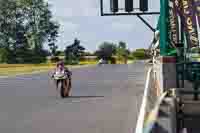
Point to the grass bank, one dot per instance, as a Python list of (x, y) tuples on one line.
[(17, 69)]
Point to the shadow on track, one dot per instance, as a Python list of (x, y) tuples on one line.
[(77, 97)]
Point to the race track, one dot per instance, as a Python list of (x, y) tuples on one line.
[(104, 99)]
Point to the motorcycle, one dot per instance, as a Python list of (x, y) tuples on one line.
[(102, 62), (63, 83)]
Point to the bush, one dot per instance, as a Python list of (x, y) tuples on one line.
[(131, 57), (3, 55), (74, 63), (83, 59), (26, 56), (55, 59), (88, 59), (71, 62), (113, 61), (140, 54), (140, 50)]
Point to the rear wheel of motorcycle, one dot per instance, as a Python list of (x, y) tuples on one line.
[(62, 91), (69, 87)]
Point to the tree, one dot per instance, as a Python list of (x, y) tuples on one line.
[(122, 45), (7, 23), (122, 52), (106, 50), (11, 29), (73, 52), (25, 25), (40, 26), (53, 49)]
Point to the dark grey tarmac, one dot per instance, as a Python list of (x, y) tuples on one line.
[(104, 99)]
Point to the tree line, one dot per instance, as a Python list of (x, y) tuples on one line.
[(107, 50), (120, 52)]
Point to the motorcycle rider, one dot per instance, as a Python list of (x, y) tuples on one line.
[(63, 71)]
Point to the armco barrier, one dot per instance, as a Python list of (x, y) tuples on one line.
[(150, 105)]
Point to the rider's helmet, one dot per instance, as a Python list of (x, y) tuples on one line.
[(61, 63)]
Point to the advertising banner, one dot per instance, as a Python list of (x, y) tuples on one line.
[(173, 23), (188, 14), (197, 7)]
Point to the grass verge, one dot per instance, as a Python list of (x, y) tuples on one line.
[(18, 69)]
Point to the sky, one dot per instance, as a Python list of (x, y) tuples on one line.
[(81, 19)]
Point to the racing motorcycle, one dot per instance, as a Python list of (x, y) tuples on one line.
[(63, 84)]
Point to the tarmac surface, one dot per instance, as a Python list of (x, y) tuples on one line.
[(105, 99)]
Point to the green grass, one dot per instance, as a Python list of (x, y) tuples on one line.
[(88, 62), (16, 69), (130, 61)]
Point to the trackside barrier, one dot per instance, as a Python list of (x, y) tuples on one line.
[(153, 115), (150, 105), (141, 118)]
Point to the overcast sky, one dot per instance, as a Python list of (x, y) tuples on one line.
[(81, 19)]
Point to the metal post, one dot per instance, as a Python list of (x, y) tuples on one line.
[(101, 7), (163, 24), (147, 24)]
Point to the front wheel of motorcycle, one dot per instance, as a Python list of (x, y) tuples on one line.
[(62, 91)]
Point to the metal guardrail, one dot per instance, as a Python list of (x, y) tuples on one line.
[(141, 118), (151, 118), (150, 105)]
